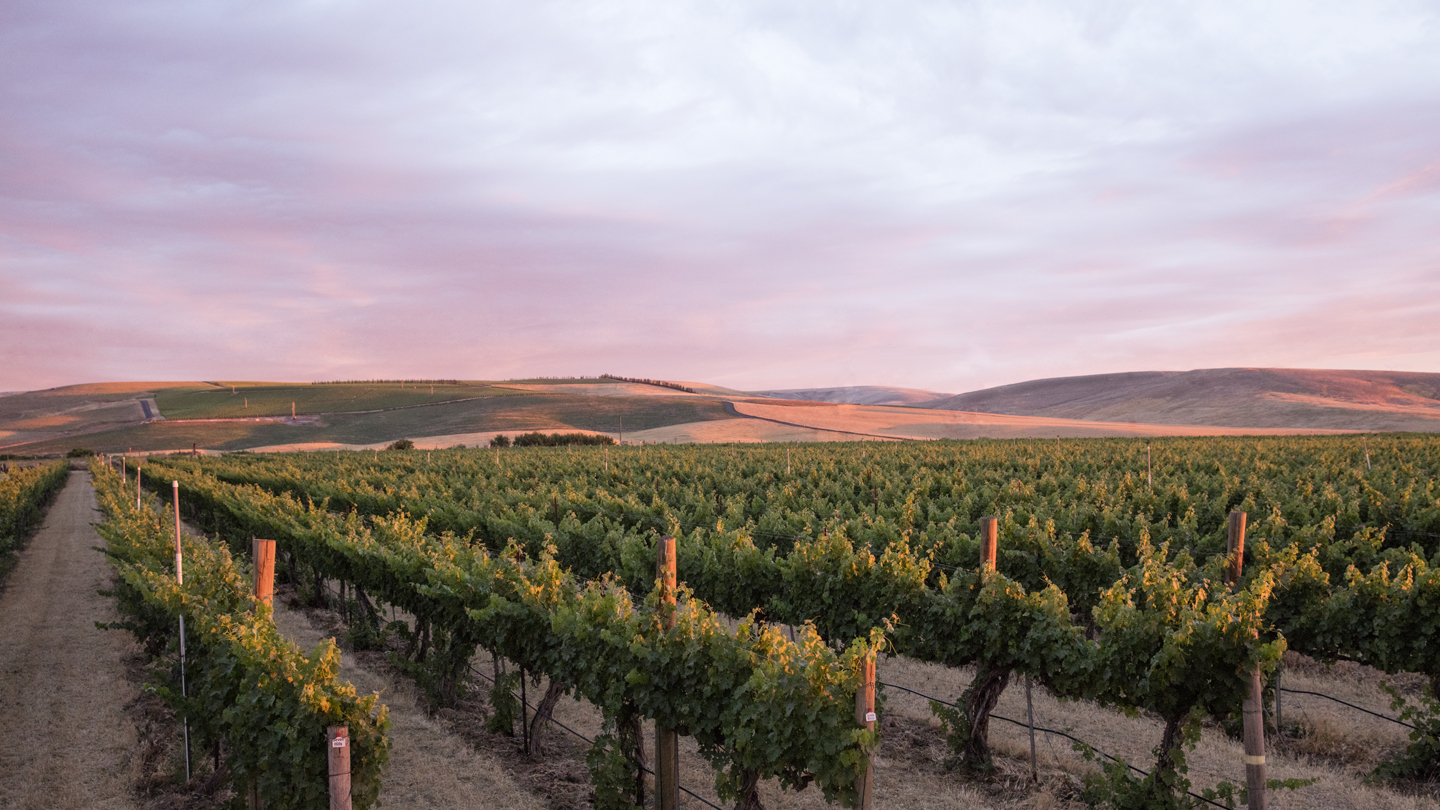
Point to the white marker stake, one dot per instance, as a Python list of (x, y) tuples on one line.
[(180, 580)]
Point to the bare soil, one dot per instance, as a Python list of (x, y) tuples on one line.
[(430, 765), (63, 685)]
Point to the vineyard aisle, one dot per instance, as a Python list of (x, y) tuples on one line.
[(430, 767), (63, 688)]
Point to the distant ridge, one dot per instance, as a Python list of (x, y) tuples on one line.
[(856, 395), (1225, 397)]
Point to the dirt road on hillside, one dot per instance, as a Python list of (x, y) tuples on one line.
[(63, 689)]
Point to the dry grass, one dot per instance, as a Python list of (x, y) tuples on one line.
[(1347, 745), (920, 423), (430, 766)]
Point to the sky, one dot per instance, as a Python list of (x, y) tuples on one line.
[(939, 195)]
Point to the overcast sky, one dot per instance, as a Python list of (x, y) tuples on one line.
[(935, 195)]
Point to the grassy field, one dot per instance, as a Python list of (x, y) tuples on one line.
[(502, 411), (270, 399), (559, 381)]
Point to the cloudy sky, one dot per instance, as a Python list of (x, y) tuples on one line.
[(946, 195)]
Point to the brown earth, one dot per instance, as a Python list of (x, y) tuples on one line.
[(887, 422), (430, 766), (63, 689)]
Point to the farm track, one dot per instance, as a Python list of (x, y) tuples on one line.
[(63, 685), (430, 767)]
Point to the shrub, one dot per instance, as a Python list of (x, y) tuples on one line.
[(538, 439), (401, 444)]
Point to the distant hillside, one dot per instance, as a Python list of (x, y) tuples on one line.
[(1227, 397), (213, 415), (856, 395)]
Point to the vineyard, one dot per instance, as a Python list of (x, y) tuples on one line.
[(1112, 582), (24, 493)]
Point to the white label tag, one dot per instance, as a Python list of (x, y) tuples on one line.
[(338, 742), (870, 717)]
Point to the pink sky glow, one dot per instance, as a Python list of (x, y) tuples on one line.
[(935, 195)]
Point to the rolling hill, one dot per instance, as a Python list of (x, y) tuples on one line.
[(857, 395), (179, 415), (257, 415), (1224, 397)]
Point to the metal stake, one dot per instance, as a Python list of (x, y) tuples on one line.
[(180, 580)]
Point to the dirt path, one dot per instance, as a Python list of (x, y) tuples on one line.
[(430, 767), (63, 688)]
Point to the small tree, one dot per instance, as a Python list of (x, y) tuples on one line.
[(500, 440), (401, 444)]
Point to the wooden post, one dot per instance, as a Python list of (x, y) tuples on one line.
[(179, 573), (667, 741), (292, 411), (263, 552), (137, 486), (1236, 548), (1149, 473), (989, 530), (1254, 705), (866, 717), (338, 745), (1365, 444)]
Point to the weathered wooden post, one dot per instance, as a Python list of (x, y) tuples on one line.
[(338, 739), (1236, 548), (989, 531), (865, 716), (263, 554), (667, 741), (1254, 706)]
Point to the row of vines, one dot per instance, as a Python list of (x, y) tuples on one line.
[(248, 694), (1109, 584), (24, 493), (759, 705)]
